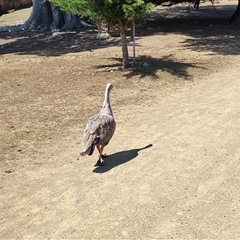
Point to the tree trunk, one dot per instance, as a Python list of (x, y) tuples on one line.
[(122, 31), (235, 15), (40, 17), (47, 16)]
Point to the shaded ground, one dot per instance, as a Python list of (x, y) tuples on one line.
[(173, 165)]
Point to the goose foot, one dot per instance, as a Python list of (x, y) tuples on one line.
[(104, 155), (99, 163)]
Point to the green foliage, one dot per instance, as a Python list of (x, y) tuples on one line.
[(112, 11), (119, 12)]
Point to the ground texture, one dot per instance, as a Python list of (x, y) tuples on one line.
[(173, 169)]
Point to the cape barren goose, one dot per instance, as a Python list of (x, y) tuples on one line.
[(99, 129)]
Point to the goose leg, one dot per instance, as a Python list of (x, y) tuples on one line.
[(98, 163), (100, 159)]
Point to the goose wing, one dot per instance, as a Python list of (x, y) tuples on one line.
[(99, 130), (106, 129), (90, 135)]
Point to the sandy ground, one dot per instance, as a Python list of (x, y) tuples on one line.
[(173, 169)]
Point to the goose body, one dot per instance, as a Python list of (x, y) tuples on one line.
[(99, 129)]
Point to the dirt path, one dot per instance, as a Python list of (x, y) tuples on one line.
[(186, 185), (174, 162)]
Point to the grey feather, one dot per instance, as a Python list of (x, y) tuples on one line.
[(100, 127)]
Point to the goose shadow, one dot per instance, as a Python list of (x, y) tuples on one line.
[(119, 158)]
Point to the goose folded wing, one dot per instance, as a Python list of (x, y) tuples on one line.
[(90, 135), (99, 129)]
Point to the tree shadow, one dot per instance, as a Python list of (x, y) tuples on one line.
[(206, 29), (165, 63), (119, 158), (49, 44)]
